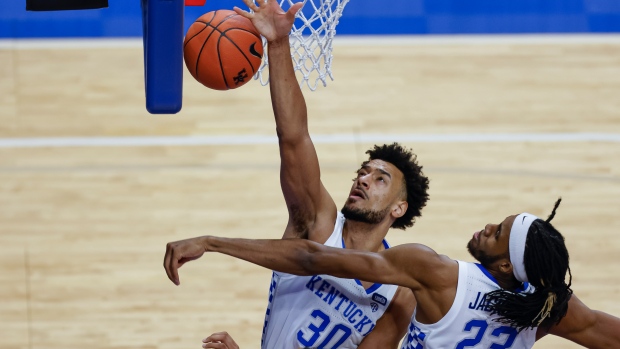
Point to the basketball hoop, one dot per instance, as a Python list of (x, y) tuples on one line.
[(311, 41)]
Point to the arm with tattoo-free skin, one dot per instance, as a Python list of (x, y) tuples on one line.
[(312, 211), (584, 326), (434, 291), (393, 324)]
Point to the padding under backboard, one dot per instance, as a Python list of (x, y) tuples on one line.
[(162, 22)]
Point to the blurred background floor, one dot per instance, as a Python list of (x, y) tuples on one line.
[(83, 228)]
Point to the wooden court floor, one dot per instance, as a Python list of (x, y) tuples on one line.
[(83, 228)]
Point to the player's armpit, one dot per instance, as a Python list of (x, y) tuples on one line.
[(312, 211)]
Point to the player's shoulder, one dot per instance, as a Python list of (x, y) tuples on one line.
[(422, 254)]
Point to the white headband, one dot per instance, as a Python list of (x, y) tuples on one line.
[(516, 245)]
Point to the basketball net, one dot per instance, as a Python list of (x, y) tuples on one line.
[(311, 41)]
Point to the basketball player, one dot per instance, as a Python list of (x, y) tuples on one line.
[(389, 191), (516, 294)]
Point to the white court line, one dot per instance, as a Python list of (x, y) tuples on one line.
[(318, 139), (344, 40)]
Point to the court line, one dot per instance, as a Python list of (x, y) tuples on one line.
[(150, 141), (273, 167), (345, 40)]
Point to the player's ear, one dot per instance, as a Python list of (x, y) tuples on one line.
[(505, 266), (399, 209)]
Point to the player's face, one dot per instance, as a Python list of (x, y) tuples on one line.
[(491, 243), (376, 189)]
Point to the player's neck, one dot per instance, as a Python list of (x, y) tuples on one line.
[(364, 236), (505, 281)]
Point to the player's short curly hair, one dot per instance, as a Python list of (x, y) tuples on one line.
[(416, 183)]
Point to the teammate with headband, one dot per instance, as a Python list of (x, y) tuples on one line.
[(514, 296)]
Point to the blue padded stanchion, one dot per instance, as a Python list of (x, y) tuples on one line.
[(162, 23)]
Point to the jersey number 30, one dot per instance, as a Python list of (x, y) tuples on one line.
[(482, 327), (317, 329)]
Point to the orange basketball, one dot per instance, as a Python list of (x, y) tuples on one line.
[(222, 50)]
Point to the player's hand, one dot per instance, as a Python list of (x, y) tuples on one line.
[(179, 253), (220, 340), (269, 18)]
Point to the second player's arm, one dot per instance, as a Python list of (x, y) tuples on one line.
[(589, 328), (404, 265)]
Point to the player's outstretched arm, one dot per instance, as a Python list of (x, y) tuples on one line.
[(404, 265), (589, 328), (312, 212)]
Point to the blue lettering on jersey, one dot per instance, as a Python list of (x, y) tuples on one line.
[(323, 286), (328, 293), (359, 313), (480, 303), (313, 280), (331, 295), (347, 312), (343, 299), (362, 323)]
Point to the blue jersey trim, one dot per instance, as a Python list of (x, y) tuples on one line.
[(520, 289), (374, 287)]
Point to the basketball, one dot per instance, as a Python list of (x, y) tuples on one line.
[(222, 50)]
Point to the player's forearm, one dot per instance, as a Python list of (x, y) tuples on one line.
[(288, 102), (281, 255), (605, 332), (296, 256), (590, 328)]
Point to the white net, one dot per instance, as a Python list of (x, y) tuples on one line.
[(311, 41)]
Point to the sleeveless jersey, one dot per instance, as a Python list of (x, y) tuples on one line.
[(468, 323), (322, 311)]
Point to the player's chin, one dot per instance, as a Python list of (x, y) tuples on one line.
[(471, 246), (353, 202)]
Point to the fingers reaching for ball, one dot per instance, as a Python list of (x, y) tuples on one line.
[(269, 19), (243, 13)]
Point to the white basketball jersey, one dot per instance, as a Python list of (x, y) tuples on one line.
[(322, 311), (468, 323)]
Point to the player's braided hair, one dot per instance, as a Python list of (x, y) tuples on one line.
[(416, 183), (546, 264)]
